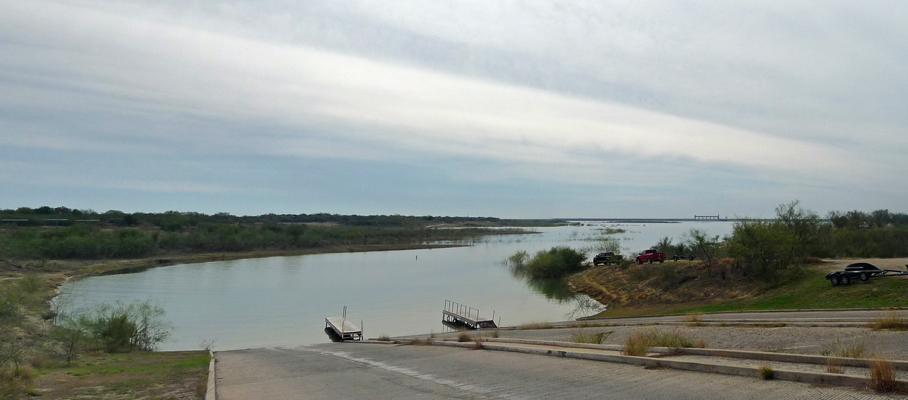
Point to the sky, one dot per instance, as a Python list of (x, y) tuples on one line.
[(512, 109)]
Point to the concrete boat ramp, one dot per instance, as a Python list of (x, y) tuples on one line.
[(504, 365), (387, 371)]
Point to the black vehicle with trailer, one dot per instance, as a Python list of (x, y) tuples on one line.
[(863, 271), (606, 258)]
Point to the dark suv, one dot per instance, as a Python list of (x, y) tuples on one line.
[(606, 258)]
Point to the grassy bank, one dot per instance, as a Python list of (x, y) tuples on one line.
[(146, 375), (808, 290)]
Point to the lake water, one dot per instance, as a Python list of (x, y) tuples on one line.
[(284, 300)]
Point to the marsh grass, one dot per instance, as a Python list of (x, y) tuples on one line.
[(889, 320), (420, 342), (463, 336), (384, 338), (477, 343)]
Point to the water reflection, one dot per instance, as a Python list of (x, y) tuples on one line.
[(560, 291), (552, 289)]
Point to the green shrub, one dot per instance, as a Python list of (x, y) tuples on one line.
[(556, 262), (124, 327)]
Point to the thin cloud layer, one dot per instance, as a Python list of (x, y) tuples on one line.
[(172, 81)]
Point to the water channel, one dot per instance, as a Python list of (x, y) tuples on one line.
[(281, 301)]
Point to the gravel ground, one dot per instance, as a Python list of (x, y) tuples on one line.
[(798, 340)]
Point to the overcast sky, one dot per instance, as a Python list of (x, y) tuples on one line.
[(517, 109)]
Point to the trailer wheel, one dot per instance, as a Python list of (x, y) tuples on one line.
[(846, 280), (834, 280), (864, 276)]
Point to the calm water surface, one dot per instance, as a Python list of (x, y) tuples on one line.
[(284, 300)]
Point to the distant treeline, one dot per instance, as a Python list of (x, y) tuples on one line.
[(79, 234), (176, 221)]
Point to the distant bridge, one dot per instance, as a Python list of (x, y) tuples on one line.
[(706, 218)]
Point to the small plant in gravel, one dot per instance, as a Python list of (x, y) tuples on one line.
[(420, 342), (766, 372), (477, 343), (495, 334), (384, 338), (882, 376), (637, 344), (463, 336), (581, 336), (834, 366), (854, 350), (535, 325), (889, 320), (672, 339)]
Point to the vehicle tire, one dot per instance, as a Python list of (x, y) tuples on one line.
[(639, 261), (661, 260), (846, 280), (834, 280), (650, 260), (864, 276)]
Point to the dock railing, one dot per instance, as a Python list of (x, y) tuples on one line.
[(462, 310)]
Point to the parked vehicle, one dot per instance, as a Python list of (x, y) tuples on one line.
[(677, 257), (862, 271), (606, 258), (650, 256)]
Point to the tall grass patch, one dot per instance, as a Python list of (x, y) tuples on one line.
[(637, 344), (890, 320), (855, 349), (535, 325), (882, 376), (581, 336)]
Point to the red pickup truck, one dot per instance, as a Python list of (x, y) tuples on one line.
[(650, 256)]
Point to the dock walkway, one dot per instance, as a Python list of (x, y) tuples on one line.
[(460, 314), (344, 328)]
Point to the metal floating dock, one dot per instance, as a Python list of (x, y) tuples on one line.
[(459, 314), (342, 328)]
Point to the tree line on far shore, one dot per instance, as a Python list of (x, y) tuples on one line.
[(90, 235)]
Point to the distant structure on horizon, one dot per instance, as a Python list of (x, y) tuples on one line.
[(706, 218)]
